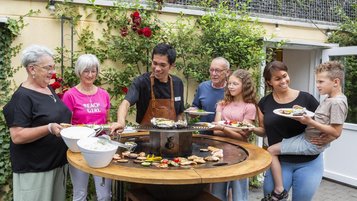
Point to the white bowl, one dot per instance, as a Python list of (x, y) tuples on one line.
[(96, 151), (72, 134)]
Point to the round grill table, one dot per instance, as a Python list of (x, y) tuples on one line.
[(257, 161)]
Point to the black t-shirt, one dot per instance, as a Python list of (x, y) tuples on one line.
[(278, 127), (140, 93), (28, 108)]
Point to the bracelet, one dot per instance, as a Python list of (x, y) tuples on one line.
[(49, 128)]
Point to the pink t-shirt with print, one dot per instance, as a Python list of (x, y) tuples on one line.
[(237, 111), (87, 109)]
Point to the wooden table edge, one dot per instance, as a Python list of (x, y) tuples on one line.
[(256, 155)]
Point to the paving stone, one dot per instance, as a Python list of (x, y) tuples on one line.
[(328, 191)]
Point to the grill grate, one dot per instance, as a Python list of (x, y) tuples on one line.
[(189, 128)]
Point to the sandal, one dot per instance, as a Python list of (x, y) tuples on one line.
[(274, 196)]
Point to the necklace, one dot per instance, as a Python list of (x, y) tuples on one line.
[(53, 98), (89, 98)]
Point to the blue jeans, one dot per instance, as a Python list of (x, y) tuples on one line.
[(240, 190), (303, 178)]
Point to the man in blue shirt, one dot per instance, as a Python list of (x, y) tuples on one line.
[(210, 92)]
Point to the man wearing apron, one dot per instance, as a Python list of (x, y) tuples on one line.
[(155, 93)]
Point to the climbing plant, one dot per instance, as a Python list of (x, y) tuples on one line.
[(8, 33), (346, 35)]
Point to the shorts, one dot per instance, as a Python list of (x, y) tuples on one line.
[(300, 145)]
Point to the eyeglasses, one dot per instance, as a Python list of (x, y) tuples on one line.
[(87, 72), (218, 71), (47, 68)]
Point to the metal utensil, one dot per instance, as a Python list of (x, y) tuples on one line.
[(107, 139)]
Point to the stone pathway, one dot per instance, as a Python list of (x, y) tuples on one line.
[(328, 191)]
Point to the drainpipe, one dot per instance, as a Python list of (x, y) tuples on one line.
[(63, 18)]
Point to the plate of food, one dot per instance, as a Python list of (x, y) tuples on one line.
[(199, 112), (295, 111), (205, 124), (236, 124)]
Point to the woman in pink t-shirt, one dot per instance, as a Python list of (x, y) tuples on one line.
[(89, 105), (239, 105)]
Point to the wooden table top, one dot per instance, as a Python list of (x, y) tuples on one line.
[(258, 161)]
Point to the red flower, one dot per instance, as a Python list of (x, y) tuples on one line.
[(137, 20), (134, 27), (65, 89), (59, 79), (140, 31), (55, 85), (124, 31), (53, 76), (60, 95), (135, 14), (147, 32), (124, 90)]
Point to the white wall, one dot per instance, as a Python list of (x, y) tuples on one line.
[(340, 158), (298, 62)]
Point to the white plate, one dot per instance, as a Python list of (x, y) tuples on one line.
[(235, 126), (195, 112), (205, 124), (278, 112)]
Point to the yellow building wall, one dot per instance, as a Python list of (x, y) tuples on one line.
[(45, 29)]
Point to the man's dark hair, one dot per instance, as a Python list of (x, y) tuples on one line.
[(165, 49)]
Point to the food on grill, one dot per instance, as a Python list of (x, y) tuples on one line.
[(175, 164), (116, 157), (159, 162), (133, 155), (122, 160), (188, 163), (152, 158), (167, 123), (199, 160), (218, 153), (212, 158), (142, 154), (138, 161), (193, 157), (125, 153), (211, 148), (162, 122), (181, 124), (146, 164), (141, 158)]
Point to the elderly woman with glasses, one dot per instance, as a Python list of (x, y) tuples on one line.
[(90, 105), (37, 152)]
